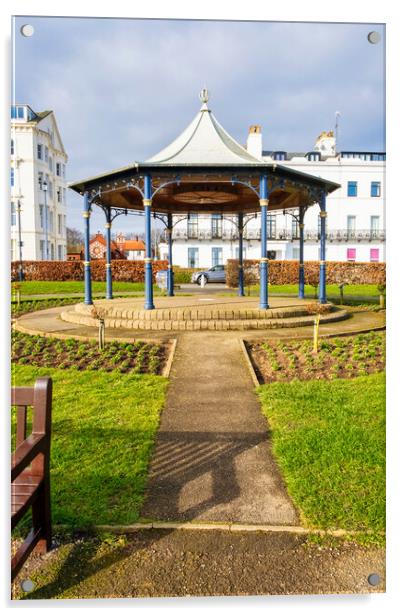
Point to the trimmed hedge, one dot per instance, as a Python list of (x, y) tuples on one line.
[(182, 275), (287, 272), (122, 270), (280, 272)]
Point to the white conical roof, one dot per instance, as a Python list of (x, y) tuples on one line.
[(204, 141)]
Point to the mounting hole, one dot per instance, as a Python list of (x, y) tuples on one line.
[(27, 585), (373, 579), (373, 37), (27, 30)]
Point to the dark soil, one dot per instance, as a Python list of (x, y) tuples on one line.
[(137, 356), (344, 357)]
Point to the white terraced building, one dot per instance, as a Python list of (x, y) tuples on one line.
[(355, 221), (38, 186)]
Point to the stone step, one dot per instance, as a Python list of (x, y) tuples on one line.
[(191, 314), (73, 316)]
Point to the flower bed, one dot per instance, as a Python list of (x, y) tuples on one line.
[(343, 357), (137, 357)]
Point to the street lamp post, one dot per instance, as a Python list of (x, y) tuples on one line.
[(44, 188), (21, 270)]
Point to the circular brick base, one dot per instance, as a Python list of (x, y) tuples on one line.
[(197, 313)]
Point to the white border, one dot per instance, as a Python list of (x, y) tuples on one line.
[(286, 10)]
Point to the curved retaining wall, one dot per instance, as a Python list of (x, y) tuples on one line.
[(212, 318)]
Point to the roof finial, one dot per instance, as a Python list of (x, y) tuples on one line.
[(204, 96)]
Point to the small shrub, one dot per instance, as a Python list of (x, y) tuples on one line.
[(183, 275), (316, 308)]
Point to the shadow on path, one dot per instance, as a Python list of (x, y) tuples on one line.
[(201, 460)]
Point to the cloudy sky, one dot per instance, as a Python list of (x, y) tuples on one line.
[(123, 89)]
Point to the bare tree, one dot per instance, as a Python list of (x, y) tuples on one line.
[(75, 240), (156, 236), (134, 235)]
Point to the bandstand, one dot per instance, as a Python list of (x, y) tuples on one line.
[(203, 170)]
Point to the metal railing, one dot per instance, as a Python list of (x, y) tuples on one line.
[(347, 235), (200, 234), (333, 235)]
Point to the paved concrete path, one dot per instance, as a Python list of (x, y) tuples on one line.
[(48, 322), (200, 563), (212, 459)]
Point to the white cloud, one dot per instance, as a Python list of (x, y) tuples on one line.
[(121, 90)]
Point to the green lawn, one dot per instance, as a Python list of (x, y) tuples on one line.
[(104, 426), (352, 290), (39, 287), (329, 441), (31, 305)]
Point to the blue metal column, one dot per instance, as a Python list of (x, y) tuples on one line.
[(301, 253), (323, 286), (149, 300), (170, 275), (108, 264), (241, 270), (87, 262), (264, 260)]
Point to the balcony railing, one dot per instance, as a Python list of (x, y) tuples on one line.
[(347, 235), (333, 235), (192, 233), (200, 234), (251, 234)]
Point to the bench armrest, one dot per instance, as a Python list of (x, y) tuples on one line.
[(26, 452)]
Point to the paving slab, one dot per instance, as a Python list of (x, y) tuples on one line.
[(213, 459), (180, 563), (48, 321)]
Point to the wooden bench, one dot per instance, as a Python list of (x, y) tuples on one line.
[(30, 487)]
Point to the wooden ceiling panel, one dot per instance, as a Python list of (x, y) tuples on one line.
[(209, 194)]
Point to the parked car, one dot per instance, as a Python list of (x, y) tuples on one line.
[(214, 274)]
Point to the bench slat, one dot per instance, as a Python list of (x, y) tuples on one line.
[(30, 468), (26, 452), (21, 504), (22, 396), (19, 496), (24, 551), (26, 478), (21, 432), (18, 509), (20, 500)]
